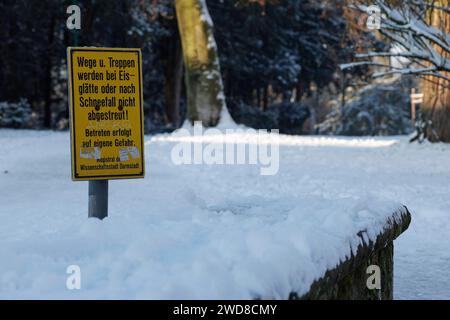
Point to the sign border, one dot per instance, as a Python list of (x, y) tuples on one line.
[(70, 88)]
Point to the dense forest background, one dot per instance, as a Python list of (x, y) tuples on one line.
[(279, 60)]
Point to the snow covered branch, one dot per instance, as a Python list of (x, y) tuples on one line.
[(424, 47)]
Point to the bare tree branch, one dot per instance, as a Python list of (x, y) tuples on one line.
[(425, 47)]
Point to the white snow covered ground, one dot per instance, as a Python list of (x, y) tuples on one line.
[(219, 231)]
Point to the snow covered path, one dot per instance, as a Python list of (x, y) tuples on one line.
[(221, 231)]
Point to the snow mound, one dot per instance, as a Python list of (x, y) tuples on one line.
[(225, 122), (183, 232)]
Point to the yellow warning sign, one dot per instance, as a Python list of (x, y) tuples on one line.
[(106, 113)]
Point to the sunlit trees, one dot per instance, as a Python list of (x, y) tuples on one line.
[(419, 31), (203, 80)]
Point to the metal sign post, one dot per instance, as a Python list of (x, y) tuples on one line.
[(106, 119), (98, 199)]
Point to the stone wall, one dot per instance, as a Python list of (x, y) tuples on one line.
[(348, 279)]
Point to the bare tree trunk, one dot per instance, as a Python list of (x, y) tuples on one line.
[(265, 98), (436, 91), (299, 90), (205, 96), (343, 87), (172, 88), (313, 114), (48, 79), (258, 97)]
